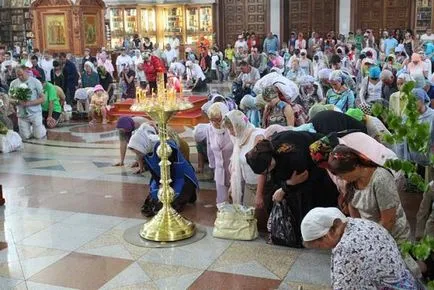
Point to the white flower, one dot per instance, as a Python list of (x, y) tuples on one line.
[(23, 86)]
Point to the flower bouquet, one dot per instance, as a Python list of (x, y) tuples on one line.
[(22, 93)]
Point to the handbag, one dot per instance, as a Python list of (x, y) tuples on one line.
[(235, 222), (282, 226)]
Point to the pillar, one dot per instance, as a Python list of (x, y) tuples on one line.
[(275, 17), (344, 16)]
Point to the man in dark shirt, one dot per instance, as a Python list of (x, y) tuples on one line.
[(34, 59), (71, 77), (88, 57)]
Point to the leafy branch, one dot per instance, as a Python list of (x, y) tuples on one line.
[(416, 135)]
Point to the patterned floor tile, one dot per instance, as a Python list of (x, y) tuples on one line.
[(157, 271), (311, 262), (93, 220), (296, 286), (179, 282), (7, 283), (113, 238), (102, 270), (133, 275), (211, 280), (252, 268), (117, 251), (277, 260), (63, 236), (40, 286)]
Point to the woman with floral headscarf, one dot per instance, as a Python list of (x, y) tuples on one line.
[(244, 135), (219, 150), (311, 92), (280, 110), (339, 95)]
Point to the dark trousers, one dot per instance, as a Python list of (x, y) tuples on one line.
[(70, 93)]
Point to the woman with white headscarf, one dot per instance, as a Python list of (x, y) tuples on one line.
[(145, 143), (311, 92), (243, 180), (398, 101), (364, 254), (219, 150), (339, 95), (319, 63), (89, 77)]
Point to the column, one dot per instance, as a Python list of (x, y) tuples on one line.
[(275, 17), (344, 16)]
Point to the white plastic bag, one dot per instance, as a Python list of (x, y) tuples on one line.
[(10, 142)]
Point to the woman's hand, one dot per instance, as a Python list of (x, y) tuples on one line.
[(298, 178), (278, 195), (259, 201)]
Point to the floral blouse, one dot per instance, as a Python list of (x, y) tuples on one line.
[(367, 257)]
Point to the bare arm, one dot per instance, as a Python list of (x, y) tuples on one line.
[(35, 102), (289, 115), (388, 218)]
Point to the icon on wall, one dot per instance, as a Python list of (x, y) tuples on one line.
[(90, 29), (55, 31)]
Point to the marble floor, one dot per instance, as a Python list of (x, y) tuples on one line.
[(67, 208)]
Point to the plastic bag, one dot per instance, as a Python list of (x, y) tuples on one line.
[(235, 222), (10, 142), (282, 226)]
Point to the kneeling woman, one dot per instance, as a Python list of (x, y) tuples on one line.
[(145, 143), (364, 255), (303, 185)]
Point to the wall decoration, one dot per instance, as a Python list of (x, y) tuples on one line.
[(90, 29), (55, 31)]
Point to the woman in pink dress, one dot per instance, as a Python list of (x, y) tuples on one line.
[(219, 149)]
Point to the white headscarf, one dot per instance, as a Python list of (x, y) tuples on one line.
[(199, 132), (317, 223), (91, 65), (243, 129), (144, 139), (218, 108)]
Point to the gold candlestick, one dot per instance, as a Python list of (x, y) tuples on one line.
[(168, 225)]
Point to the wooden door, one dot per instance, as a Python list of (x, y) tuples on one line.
[(239, 15), (382, 14), (310, 15)]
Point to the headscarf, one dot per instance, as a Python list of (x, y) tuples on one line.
[(315, 109), (218, 108), (356, 114), (421, 95), (248, 105), (91, 65), (126, 123), (416, 57), (306, 80), (404, 76), (270, 93), (321, 149), (199, 132), (346, 159), (144, 139), (317, 223), (337, 76), (374, 72), (242, 129), (324, 73)]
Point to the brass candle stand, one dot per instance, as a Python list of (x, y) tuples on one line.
[(168, 225)]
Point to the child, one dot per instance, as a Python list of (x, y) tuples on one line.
[(214, 69), (229, 54), (98, 105), (223, 70), (173, 83)]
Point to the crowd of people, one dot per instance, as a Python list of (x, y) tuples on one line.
[(296, 132)]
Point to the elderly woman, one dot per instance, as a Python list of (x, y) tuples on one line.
[(295, 71), (219, 150), (89, 77), (311, 93), (145, 143), (302, 184), (276, 111), (319, 63), (364, 255), (398, 101), (371, 87), (416, 67), (126, 126), (249, 106), (243, 180), (339, 95)]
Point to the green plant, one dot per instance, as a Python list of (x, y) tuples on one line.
[(409, 130)]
